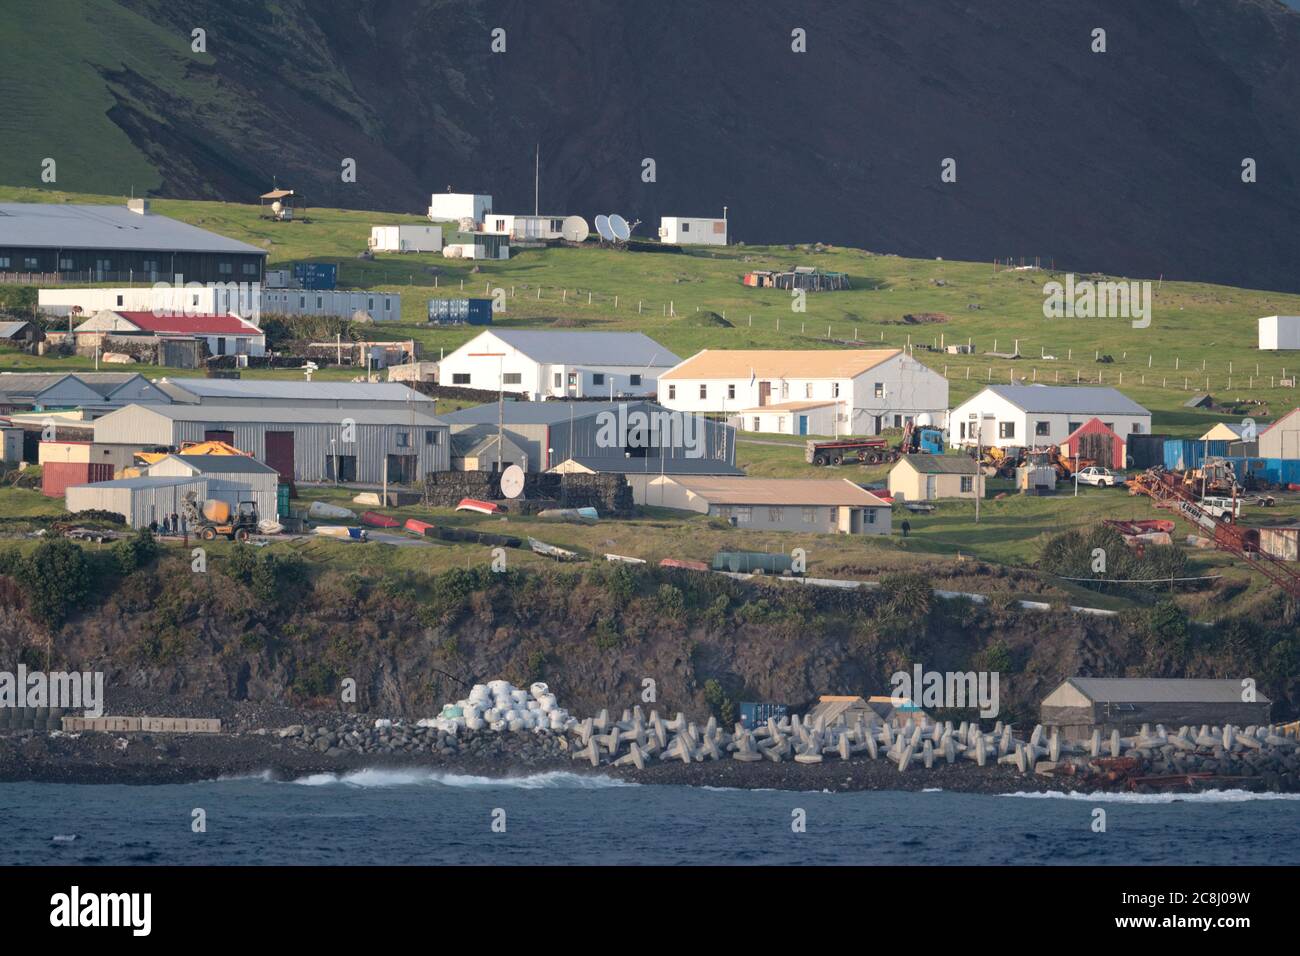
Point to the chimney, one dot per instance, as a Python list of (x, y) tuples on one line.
[(138, 206)]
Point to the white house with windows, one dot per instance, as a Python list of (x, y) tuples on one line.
[(1035, 416), (683, 231), (558, 364), (807, 392)]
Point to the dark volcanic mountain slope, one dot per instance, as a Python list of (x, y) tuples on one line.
[(1127, 161)]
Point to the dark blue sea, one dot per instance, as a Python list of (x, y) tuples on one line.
[(420, 817)]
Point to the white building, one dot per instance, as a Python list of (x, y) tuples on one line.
[(216, 298), (452, 207), (680, 231), (405, 238), (526, 228), (1035, 416), (808, 392), (225, 334), (380, 306), (558, 364), (1277, 332)]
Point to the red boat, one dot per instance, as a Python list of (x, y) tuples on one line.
[(419, 527), (376, 520), (688, 565), (482, 507)]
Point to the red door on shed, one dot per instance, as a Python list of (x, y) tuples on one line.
[(279, 454)]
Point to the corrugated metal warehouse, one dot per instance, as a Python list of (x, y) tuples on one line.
[(549, 433), (139, 500), (230, 478), (302, 444), (1083, 704)]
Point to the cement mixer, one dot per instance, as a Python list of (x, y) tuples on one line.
[(215, 518)]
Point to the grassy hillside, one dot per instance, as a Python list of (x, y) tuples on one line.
[(1201, 337)]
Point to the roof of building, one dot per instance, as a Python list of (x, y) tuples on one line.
[(293, 414), (147, 481), (87, 226), (832, 709), (181, 324), (666, 465), (788, 407), (9, 329), (218, 388), (1081, 399), (224, 464), (1224, 431), (1092, 425), (780, 491), (588, 348), (780, 363), (1152, 690), (540, 413), (106, 383), (942, 464)]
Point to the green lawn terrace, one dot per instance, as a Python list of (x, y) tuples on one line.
[(1201, 337)]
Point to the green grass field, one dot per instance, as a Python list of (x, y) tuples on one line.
[(1201, 337)]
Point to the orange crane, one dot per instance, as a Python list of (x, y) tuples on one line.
[(1175, 492)]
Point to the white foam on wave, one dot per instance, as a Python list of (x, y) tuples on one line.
[(550, 780), (1204, 796)]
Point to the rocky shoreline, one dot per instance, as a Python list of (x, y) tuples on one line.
[(342, 744)]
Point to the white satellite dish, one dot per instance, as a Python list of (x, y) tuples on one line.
[(574, 229), (512, 482), (618, 225), (602, 228)]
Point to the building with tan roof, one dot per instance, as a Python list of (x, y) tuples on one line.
[(816, 505), (807, 391)]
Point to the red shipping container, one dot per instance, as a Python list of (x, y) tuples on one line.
[(57, 476)]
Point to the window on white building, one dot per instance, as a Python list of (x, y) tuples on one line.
[(460, 378), (704, 391), (513, 378), (1006, 429), (672, 391)]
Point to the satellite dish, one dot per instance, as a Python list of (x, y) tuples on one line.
[(602, 228), (618, 225), (276, 206), (574, 229), (512, 482)]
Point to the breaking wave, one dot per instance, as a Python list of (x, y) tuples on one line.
[(551, 780), (1205, 796)]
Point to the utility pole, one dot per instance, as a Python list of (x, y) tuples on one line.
[(537, 179)]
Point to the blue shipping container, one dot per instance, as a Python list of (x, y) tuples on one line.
[(316, 275), (460, 311), (756, 715), (1183, 454)]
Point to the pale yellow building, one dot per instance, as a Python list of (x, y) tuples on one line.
[(928, 477)]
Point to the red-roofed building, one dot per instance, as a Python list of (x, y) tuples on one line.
[(225, 334), (1098, 443)]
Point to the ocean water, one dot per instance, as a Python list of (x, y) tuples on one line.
[(422, 817)]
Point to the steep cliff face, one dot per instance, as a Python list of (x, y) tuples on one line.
[(1127, 161), (414, 643)]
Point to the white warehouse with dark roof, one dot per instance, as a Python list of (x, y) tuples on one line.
[(543, 364), (1035, 416)]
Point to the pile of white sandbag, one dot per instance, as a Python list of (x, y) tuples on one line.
[(500, 706)]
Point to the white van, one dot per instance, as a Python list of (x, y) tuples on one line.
[(1225, 508)]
